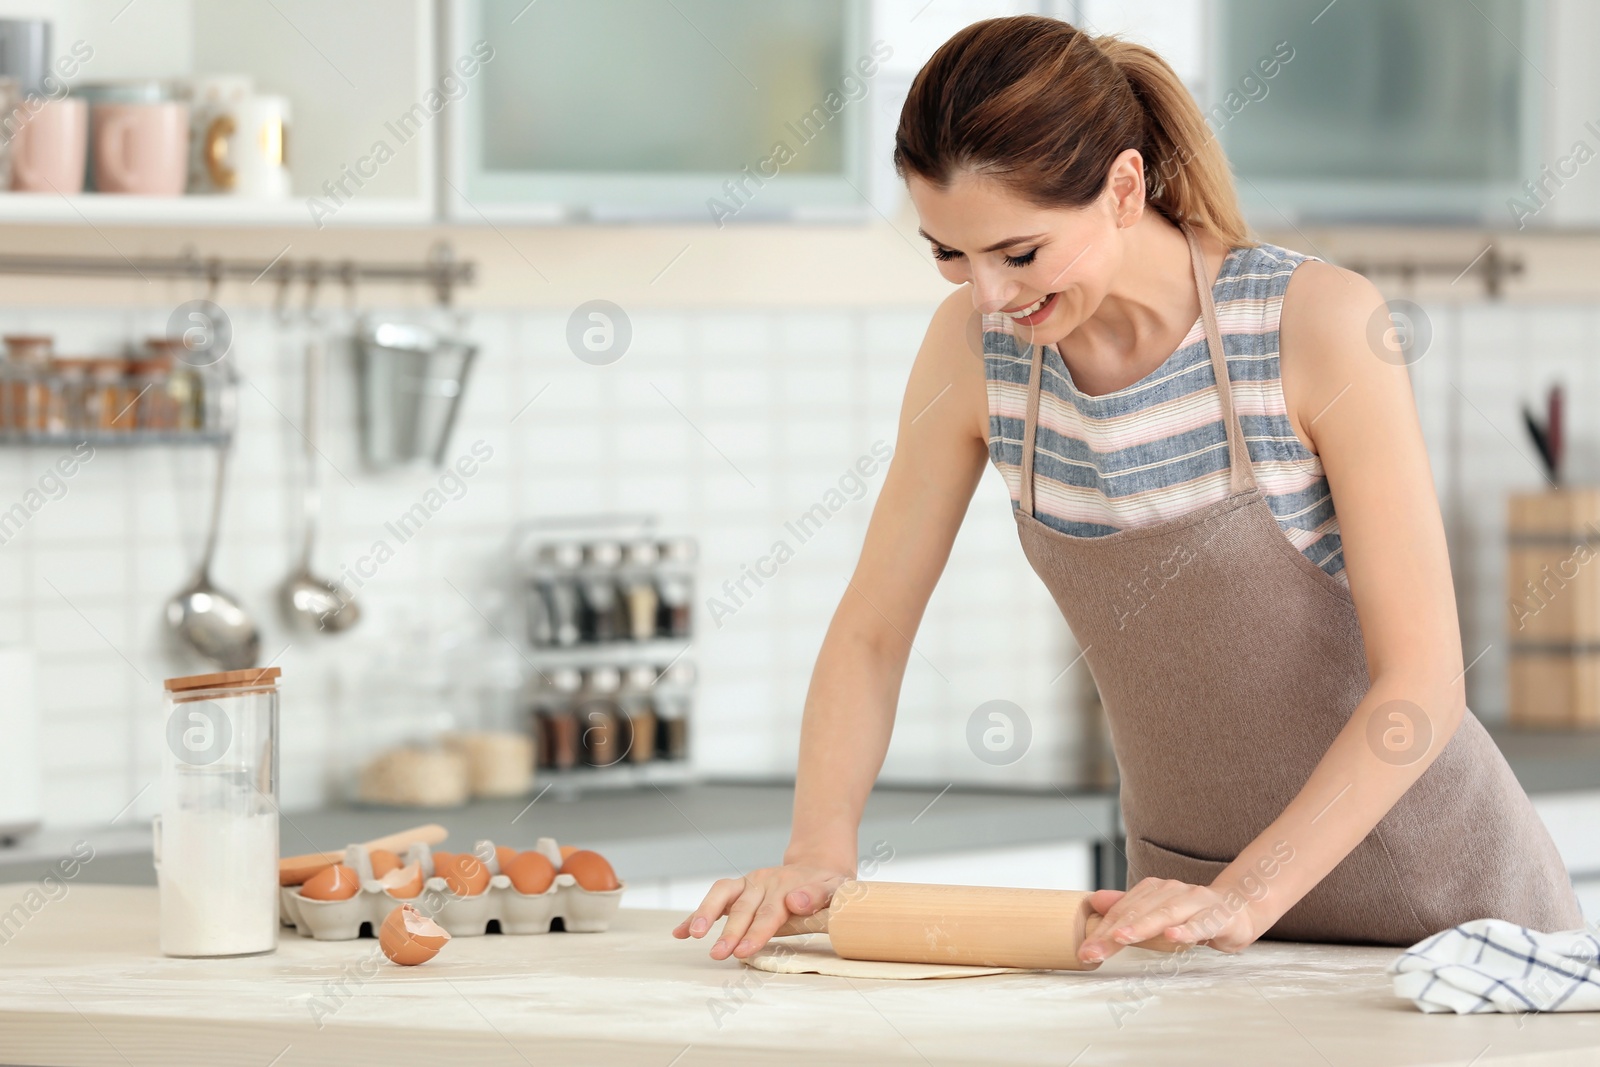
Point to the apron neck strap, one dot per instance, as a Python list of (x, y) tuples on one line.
[(1030, 429), (1240, 477)]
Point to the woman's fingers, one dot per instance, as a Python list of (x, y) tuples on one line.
[(757, 905), (764, 922), (739, 919), (722, 893), (813, 896), (1142, 899)]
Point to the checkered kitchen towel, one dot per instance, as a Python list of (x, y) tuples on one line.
[(1492, 965)]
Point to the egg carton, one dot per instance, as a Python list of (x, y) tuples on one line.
[(580, 910)]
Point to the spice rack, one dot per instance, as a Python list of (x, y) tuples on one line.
[(145, 400), (607, 607)]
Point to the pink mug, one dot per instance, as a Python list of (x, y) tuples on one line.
[(141, 148), (47, 151)]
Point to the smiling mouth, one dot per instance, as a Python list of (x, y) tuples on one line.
[(1024, 312)]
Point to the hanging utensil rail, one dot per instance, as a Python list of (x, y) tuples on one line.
[(441, 270)]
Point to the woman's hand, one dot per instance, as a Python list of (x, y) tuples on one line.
[(1156, 907), (757, 904)]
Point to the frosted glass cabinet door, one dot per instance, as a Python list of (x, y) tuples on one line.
[(649, 107), (1378, 108)]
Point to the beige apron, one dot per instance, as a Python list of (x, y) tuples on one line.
[(1227, 685)]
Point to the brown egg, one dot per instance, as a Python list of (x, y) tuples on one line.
[(383, 861), (336, 883), (504, 855), (567, 850), (403, 883), (531, 873), (465, 875), (591, 871), (409, 937)]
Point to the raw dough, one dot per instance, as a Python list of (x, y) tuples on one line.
[(811, 953)]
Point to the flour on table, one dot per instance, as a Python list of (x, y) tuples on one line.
[(812, 954)]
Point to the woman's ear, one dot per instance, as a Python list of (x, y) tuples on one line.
[(1125, 184)]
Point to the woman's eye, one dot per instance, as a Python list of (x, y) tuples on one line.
[(1022, 260), (945, 255)]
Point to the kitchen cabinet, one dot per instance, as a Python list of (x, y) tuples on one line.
[(1426, 111), (551, 135), (1571, 818)]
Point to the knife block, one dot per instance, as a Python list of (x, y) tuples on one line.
[(1553, 608)]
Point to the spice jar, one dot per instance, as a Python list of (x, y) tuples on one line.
[(181, 385), (111, 401), (555, 583), (556, 719), (70, 386), (23, 388), (604, 617), (640, 598), (600, 722), (216, 839), (676, 586), (674, 695), (150, 379), (638, 710)]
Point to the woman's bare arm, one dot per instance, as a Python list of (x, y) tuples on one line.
[(939, 455)]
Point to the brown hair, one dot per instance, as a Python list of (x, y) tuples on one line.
[(1041, 106)]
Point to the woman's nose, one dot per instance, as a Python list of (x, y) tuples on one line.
[(990, 293)]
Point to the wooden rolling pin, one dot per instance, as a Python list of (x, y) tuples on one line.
[(294, 870), (980, 926)]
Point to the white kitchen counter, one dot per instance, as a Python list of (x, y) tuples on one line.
[(82, 982)]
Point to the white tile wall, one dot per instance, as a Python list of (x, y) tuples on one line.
[(1486, 362), (789, 400)]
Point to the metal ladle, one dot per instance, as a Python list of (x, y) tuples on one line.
[(312, 604), (204, 618)]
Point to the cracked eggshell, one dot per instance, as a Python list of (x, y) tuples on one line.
[(409, 937), (403, 883), (383, 861)]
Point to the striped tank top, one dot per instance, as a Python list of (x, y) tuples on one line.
[(1157, 449)]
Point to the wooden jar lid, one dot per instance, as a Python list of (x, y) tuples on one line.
[(248, 678)]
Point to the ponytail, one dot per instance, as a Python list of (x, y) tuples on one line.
[(1186, 174)]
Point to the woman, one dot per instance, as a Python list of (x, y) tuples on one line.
[(1257, 572)]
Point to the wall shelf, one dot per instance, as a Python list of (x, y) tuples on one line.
[(45, 209)]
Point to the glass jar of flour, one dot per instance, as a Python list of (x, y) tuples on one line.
[(216, 839)]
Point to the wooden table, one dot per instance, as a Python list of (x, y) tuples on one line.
[(82, 982)]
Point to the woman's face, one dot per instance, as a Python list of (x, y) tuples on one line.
[(1048, 268)]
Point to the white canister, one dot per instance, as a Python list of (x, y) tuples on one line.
[(241, 148), (216, 839)]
